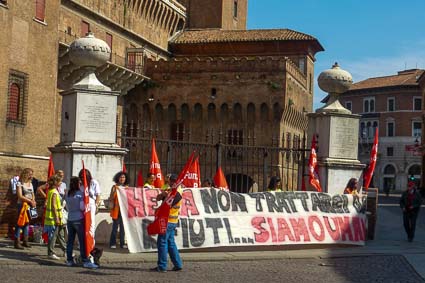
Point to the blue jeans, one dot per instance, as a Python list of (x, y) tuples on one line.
[(18, 228), (76, 228), (113, 239), (167, 245)]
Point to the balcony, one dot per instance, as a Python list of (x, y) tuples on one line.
[(119, 73)]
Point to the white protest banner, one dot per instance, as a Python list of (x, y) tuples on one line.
[(214, 218)]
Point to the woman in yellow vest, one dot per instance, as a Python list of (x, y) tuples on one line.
[(121, 183), (53, 216)]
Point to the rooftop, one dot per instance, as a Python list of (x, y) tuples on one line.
[(217, 35), (403, 78)]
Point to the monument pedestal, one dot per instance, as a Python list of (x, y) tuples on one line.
[(337, 148), (88, 133)]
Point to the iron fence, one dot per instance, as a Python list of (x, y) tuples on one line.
[(247, 167)]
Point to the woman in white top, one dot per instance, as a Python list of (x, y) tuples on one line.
[(25, 193)]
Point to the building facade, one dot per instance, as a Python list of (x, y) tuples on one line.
[(191, 60), (393, 104)]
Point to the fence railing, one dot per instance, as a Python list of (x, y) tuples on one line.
[(247, 168)]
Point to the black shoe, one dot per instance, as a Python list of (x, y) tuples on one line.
[(177, 268), (156, 269), (410, 240)]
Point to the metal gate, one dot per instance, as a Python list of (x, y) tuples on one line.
[(247, 168)]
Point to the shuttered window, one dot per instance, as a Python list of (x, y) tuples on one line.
[(40, 8), (85, 28), (17, 97), (13, 105)]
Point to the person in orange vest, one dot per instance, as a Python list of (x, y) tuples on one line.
[(121, 183)]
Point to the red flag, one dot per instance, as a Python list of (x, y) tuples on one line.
[(159, 225), (50, 168), (124, 169), (182, 173), (155, 168), (220, 181), (89, 239), (312, 167), (373, 156), (139, 183), (191, 179)]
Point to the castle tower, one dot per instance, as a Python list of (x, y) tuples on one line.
[(221, 14)]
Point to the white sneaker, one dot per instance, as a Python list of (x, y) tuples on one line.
[(113, 247), (90, 265), (53, 256)]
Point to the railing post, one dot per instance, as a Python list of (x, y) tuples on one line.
[(265, 154), (219, 150), (169, 154)]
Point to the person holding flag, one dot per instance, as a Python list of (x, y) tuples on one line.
[(165, 241), (91, 189), (75, 224)]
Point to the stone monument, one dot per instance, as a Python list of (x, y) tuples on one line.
[(89, 115), (337, 133)]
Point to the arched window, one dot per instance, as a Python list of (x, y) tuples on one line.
[(185, 112), (159, 113), (146, 113), (197, 112), (250, 113), (132, 120), (237, 112), (264, 112), (212, 117), (172, 115), (366, 106), (224, 112)]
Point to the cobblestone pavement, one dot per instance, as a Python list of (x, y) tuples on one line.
[(392, 268)]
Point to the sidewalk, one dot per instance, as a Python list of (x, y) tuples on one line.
[(390, 240)]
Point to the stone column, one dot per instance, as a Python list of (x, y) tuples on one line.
[(89, 110), (337, 130)]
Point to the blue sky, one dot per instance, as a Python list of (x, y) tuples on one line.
[(368, 38)]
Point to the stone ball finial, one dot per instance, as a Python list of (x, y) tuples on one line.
[(89, 51), (335, 80)]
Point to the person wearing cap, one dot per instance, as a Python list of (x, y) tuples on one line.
[(165, 242), (410, 203)]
